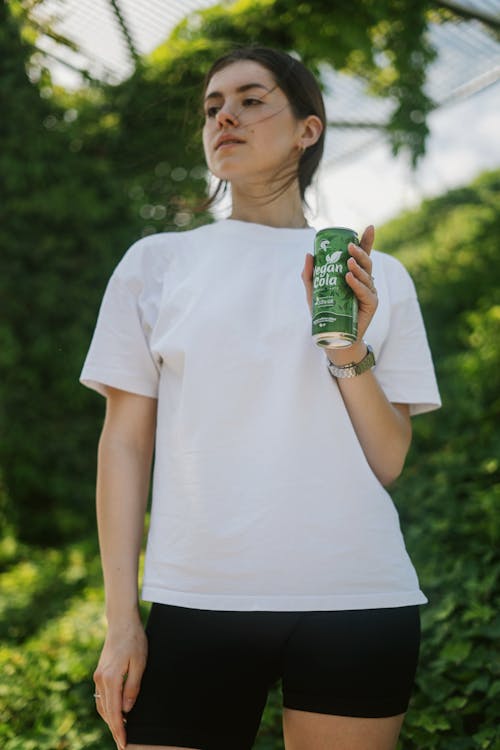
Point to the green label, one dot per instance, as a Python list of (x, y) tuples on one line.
[(335, 308)]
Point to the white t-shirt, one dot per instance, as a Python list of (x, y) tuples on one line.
[(262, 496)]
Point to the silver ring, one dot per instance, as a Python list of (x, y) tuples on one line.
[(97, 695)]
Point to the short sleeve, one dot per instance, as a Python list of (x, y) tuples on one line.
[(119, 353), (404, 367)]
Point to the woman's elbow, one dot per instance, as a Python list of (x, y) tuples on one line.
[(391, 464), (389, 475)]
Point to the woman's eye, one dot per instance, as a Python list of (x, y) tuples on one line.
[(212, 111)]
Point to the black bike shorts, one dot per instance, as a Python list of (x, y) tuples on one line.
[(208, 672)]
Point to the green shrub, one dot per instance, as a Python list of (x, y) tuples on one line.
[(87, 173), (46, 689), (37, 586), (63, 224), (449, 494), (75, 194), (51, 628)]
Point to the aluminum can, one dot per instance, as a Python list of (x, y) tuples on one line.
[(334, 304)]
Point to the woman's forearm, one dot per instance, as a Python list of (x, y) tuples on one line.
[(383, 429)]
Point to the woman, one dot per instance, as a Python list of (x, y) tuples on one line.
[(274, 551)]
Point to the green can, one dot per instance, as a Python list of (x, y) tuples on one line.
[(334, 304)]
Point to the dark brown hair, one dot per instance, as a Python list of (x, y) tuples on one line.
[(303, 93)]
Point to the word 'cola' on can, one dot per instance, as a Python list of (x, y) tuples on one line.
[(334, 304)]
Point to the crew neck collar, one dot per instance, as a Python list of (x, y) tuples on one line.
[(268, 227)]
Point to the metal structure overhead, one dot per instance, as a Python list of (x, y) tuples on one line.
[(105, 46), (107, 36)]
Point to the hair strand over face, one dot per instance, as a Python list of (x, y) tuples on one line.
[(303, 94)]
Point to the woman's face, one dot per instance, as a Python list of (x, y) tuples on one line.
[(250, 132)]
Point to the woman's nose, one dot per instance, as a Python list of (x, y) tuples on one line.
[(226, 117)]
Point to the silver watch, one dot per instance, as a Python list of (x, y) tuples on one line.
[(353, 368)]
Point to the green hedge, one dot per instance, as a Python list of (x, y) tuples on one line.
[(51, 605), (76, 192), (449, 494), (83, 176), (63, 225), (86, 173), (51, 624)]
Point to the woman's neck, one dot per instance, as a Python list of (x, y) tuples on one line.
[(282, 211)]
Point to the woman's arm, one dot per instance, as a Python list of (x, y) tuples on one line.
[(123, 475), (383, 428)]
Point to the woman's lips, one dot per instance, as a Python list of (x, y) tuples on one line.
[(228, 142)]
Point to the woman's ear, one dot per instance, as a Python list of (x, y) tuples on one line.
[(311, 129)]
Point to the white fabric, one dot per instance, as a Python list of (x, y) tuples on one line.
[(262, 496)]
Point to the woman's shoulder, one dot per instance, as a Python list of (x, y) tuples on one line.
[(153, 255)]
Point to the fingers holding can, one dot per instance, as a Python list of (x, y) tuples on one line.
[(363, 273), (367, 239)]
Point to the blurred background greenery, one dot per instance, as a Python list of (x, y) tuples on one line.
[(87, 171)]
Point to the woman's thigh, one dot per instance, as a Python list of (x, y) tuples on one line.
[(303, 730)]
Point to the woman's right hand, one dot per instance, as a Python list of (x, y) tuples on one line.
[(118, 675)]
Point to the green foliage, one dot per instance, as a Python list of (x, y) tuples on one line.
[(50, 614), (61, 228), (86, 173), (49, 608), (385, 43), (449, 494)]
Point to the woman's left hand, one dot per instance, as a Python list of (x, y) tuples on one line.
[(359, 277)]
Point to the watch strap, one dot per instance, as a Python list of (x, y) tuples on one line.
[(353, 369)]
